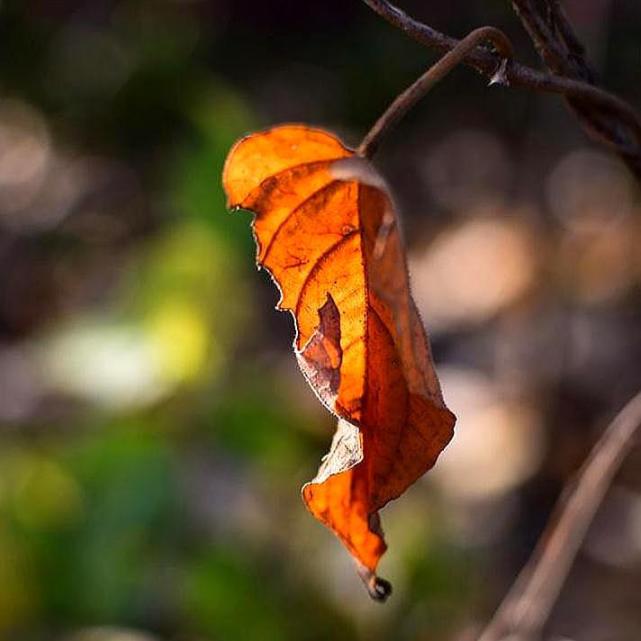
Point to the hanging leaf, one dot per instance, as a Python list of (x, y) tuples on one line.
[(326, 231)]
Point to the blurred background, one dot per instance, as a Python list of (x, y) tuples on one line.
[(154, 428)]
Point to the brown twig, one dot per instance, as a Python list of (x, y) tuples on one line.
[(551, 51), (406, 100), (554, 39), (563, 54), (604, 116), (528, 604), (575, 47)]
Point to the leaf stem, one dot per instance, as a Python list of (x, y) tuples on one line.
[(406, 100)]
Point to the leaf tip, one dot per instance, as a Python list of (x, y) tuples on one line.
[(377, 588)]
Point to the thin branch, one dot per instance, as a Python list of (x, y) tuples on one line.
[(486, 63), (528, 604), (563, 54), (604, 116), (575, 47), (551, 51), (554, 39), (405, 101)]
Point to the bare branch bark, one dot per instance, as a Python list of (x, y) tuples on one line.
[(564, 55), (554, 38), (604, 116), (527, 606)]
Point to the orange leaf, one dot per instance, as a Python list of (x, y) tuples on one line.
[(326, 231)]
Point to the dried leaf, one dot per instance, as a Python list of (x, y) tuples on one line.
[(326, 231)]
